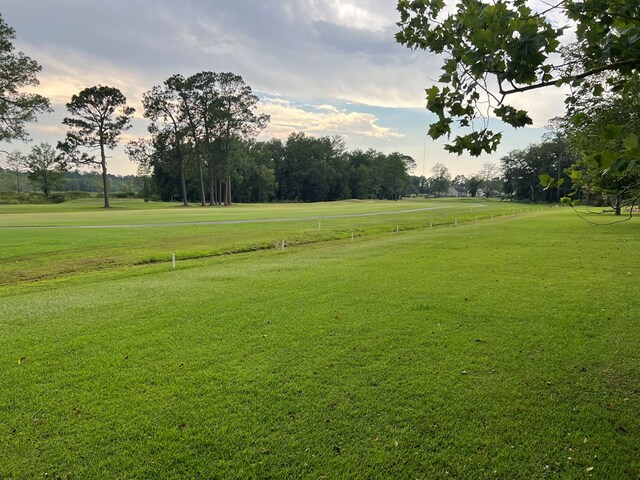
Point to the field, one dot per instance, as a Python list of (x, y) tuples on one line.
[(68, 238), (503, 347)]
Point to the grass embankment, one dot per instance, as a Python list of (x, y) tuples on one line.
[(53, 240), (507, 349)]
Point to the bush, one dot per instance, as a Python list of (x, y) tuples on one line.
[(124, 195), (76, 194), (14, 198)]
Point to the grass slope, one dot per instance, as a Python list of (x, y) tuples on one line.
[(31, 252), (507, 349)]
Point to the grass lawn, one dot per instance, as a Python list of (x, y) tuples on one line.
[(506, 349), (75, 238)]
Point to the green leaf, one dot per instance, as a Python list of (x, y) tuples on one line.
[(578, 118), (612, 132), (607, 158), (513, 116), (630, 142), (545, 181), (576, 175)]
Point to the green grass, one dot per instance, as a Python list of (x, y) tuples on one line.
[(126, 212), (507, 349), (31, 252)]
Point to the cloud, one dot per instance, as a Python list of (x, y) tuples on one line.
[(359, 15), (318, 55), (320, 120)]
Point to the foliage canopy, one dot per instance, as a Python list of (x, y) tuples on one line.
[(16, 72), (494, 50), (99, 115)]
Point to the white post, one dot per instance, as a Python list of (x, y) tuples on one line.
[(351, 237), (397, 229), (430, 226), (456, 223), (173, 261), (282, 246)]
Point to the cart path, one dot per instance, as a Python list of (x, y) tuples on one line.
[(233, 222)]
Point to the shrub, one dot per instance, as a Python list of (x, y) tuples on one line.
[(124, 195), (75, 194)]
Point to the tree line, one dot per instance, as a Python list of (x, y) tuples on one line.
[(20, 179), (303, 168), (202, 127), (201, 147)]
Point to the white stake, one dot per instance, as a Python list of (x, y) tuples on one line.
[(282, 246), (173, 261), (351, 237), (430, 226), (397, 229)]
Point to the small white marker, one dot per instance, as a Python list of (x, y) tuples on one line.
[(282, 246), (173, 261), (351, 237)]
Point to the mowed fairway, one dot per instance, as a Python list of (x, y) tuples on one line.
[(52, 240), (507, 348)]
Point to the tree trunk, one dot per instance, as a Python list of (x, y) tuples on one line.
[(183, 182), (105, 180), (203, 193), (227, 198), (212, 185)]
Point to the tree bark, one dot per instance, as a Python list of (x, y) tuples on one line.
[(183, 181), (203, 194), (227, 200), (618, 206), (212, 185), (105, 180)]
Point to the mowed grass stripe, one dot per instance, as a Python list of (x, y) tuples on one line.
[(123, 212), (493, 351), (32, 253)]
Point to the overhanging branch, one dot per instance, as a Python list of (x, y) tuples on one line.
[(588, 73)]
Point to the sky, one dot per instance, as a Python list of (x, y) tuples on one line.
[(323, 67)]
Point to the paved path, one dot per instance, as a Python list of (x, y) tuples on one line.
[(233, 222)]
